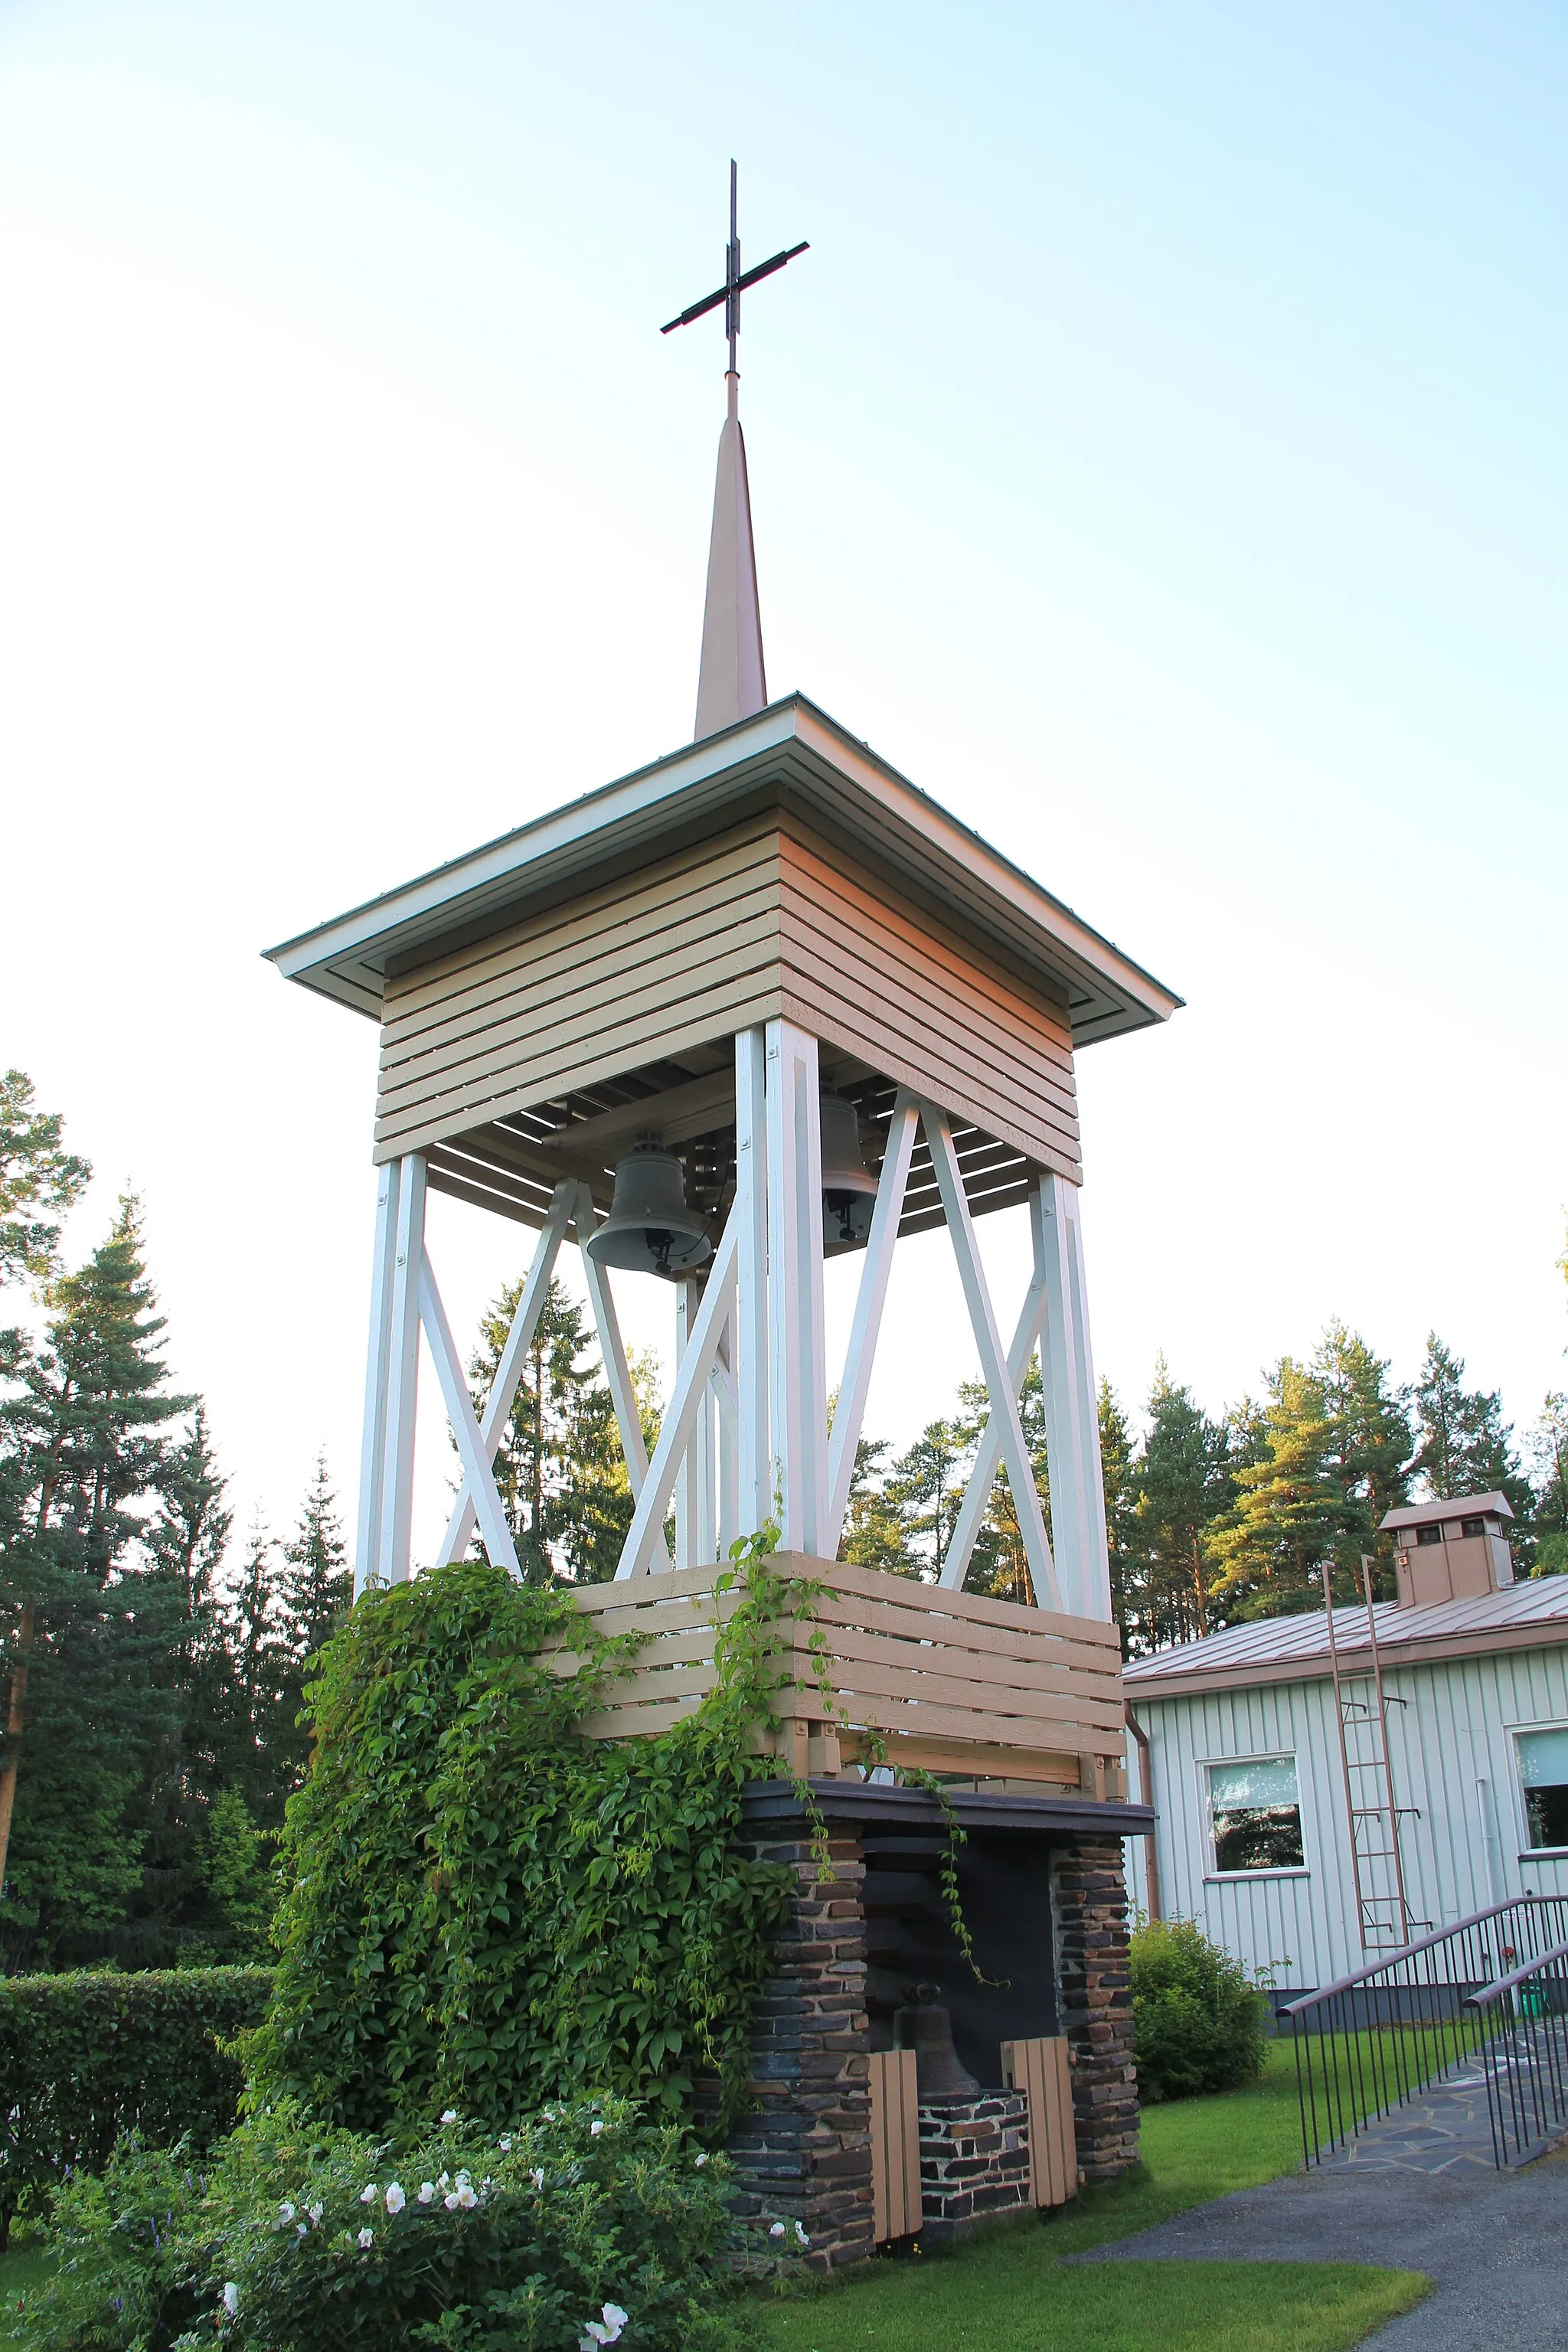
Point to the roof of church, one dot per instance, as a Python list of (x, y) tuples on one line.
[(1521, 1616), (792, 750)]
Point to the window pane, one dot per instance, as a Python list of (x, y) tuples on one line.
[(1428, 1535), (1258, 1837), (1542, 1759), (1256, 1816), (1543, 1769), (1270, 1782)]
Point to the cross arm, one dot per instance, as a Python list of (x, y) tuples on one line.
[(747, 278)]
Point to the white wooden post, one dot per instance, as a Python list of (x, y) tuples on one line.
[(1072, 1409), (514, 1356), (726, 1397), (797, 1367), (749, 1356), (694, 1535), (988, 1454), (993, 1362), (849, 1412), (372, 1444), (680, 1414), (478, 1473), (396, 1532)]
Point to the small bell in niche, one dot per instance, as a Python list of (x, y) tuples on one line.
[(924, 2026), (650, 1228)]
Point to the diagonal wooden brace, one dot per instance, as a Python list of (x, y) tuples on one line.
[(493, 1528), (680, 1414)]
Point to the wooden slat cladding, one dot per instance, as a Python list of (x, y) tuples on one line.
[(955, 1681), (645, 967), (1043, 2069), (763, 919), (872, 975), (896, 2204)]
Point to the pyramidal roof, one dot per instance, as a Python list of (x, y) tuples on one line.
[(732, 684)]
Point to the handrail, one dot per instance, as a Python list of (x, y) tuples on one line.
[(1516, 1977), (1407, 1952), (1369, 2042)]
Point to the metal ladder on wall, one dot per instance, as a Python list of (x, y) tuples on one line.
[(1382, 1912)]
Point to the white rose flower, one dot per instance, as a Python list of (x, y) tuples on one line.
[(777, 2231), (614, 2320), (504, 2146), (426, 2190), (369, 2193), (365, 2236), (701, 2160), (537, 2176), (801, 2235), (394, 2200), (230, 2297), (300, 2230), (451, 2200), (285, 2214), (596, 2128), (316, 2213), (449, 2115), (444, 2180)]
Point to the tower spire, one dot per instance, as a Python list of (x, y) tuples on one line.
[(731, 683)]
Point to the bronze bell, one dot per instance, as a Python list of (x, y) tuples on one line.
[(926, 2027)]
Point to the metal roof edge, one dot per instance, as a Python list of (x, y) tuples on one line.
[(1313, 1666)]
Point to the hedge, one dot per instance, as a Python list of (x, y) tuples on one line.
[(86, 2059)]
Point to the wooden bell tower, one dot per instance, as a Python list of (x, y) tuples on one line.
[(693, 954)]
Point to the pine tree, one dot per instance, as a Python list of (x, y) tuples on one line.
[(1465, 1447), (1120, 1486), (874, 1525), (926, 1487), (314, 1595), (1000, 1564), (39, 1179), (1182, 1482), (1370, 1444), (1288, 1518), (1549, 1463)]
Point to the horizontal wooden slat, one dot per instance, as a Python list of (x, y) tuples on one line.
[(1049, 1766)]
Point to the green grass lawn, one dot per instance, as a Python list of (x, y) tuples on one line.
[(1008, 2292)]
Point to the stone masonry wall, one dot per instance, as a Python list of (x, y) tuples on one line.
[(975, 2161), (1090, 1900), (805, 2154)]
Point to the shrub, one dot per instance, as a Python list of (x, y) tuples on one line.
[(1200, 2022), (86, 2059), (585, 2226)]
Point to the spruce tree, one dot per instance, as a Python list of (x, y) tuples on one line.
[(1181, 1484), (1370, 1446), (86, 1440), (1116, 1467), (314, 1592)]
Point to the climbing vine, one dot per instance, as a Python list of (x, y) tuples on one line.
[(485, 1907)]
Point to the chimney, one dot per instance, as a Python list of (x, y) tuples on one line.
[(1450, 1550)]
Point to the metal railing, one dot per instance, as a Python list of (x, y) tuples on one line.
[(1525, 2019), (1367, 2044)]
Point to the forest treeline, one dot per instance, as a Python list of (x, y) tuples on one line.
[(152, 1667)]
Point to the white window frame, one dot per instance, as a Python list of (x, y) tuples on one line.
[(1213, 1874), (1514, 1733)]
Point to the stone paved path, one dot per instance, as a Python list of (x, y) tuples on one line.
[(1495, 2242), (1447, 2128)]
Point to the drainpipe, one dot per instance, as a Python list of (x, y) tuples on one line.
[(1146, 1789)]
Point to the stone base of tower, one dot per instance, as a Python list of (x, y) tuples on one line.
[(1041, 1887)]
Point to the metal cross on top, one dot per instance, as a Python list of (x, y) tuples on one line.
[(735, 281)]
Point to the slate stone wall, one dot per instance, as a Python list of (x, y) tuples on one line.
[(805, 2154), (1090, 1897), (975, 2161)]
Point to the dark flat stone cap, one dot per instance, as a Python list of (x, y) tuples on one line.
[(883, 1805)]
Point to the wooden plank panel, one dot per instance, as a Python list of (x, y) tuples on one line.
[(971, 1758), (918, 1626), (976, 1608), (538, 943), (579, 1015), (938, 1678), (654, 933), (898, 2210), (1042, 2068), (751, 998), (838, 937)]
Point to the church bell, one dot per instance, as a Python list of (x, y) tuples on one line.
[(650, 1229), (848, 1187), (924, 2026)]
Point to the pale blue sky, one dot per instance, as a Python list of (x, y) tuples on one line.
[(1159, 456)]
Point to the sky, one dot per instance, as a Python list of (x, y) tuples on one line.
[(1158, 456)]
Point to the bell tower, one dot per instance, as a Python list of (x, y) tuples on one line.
[(760, 1003)]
